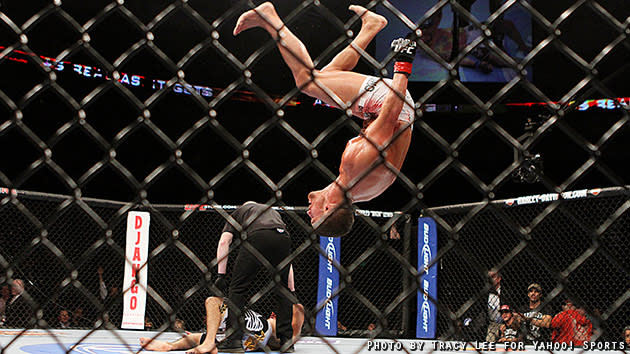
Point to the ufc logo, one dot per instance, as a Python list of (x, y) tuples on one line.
[(401, 45), (410, 48)]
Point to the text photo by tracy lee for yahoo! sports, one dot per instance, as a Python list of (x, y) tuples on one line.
[(453, 346)]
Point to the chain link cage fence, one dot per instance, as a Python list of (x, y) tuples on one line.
[(575, 251), (155, 104), (179, 264)]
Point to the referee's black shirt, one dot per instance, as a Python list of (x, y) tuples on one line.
[(253, 217)]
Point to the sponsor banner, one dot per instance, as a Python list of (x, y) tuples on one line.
[(426, 319), (206, 207), (93, 72), (552, 197), (605, 103), (328, 283), (135, 281), (375, 213), (4, 190)]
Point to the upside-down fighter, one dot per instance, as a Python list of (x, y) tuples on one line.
[(371, 161)]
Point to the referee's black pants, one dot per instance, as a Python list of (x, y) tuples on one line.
[(275, 246)]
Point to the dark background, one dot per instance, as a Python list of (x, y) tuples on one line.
[(144, 161)]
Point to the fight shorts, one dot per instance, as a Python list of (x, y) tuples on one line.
[(257, 330), (371, 97)]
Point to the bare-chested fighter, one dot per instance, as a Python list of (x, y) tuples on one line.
[(260, 333), (371, 161)]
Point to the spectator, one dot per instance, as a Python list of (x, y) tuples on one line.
[(4, 299), (341, 327), (626, 336), (113, 306), (113, 291), (64, 320), (179, 325), (458, 334), (102, 287), (393, 233), (106, 322), (112, 299), (571, 326), (510, 330), (18, 311), (497, 297), (594, 316), (537, 316), (78, 320)]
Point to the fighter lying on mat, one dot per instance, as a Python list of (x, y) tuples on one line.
[(371, 161), (259, 333)]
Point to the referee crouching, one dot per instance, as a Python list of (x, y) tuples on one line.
[(262, 228)]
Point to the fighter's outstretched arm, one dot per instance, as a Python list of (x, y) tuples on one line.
[(385, 125)]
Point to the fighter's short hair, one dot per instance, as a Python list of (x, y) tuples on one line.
[(338, 223)]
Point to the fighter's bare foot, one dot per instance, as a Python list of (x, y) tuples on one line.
[(154, 344), (204, 348), (264, 16), (369, 19)]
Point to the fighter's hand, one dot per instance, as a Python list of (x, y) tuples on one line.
[(404, 49), (221, 283), (404, 52)]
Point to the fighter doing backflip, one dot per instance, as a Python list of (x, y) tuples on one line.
[(371, 161)]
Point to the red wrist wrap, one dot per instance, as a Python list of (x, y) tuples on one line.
[(402, 67)]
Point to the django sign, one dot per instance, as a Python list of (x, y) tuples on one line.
[(326, 321), (135, 279), (427, 294)]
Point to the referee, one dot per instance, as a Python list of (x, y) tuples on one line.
[(262, 228)]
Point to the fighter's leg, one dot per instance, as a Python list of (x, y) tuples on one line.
[(336, 88), (183, 343), (293, 51), (213, 320), (348, 58)]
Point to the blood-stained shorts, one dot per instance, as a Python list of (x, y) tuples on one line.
[(371, 97)]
